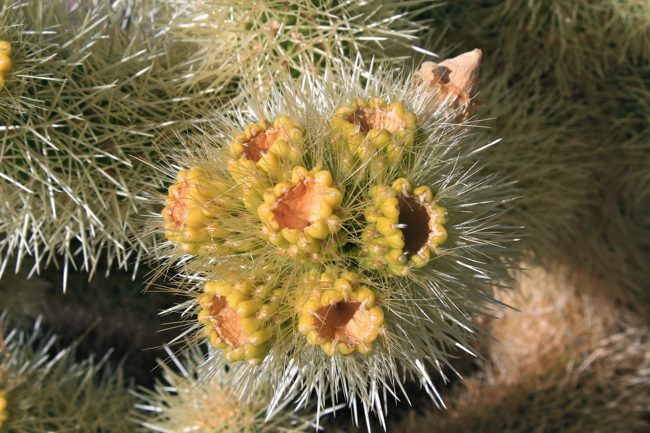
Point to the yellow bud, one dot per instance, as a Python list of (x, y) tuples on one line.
[(236, 355), (298, 173), (402, 186), (397, 269), (291, 235), (5, 63), (256, 353), (396, 257), (318, 230), (376, 315), (334, 197), (248, 308), (281, 188), (328, 348), (343, 285), (423, 193), (234, 298), (365, 295), (325, 209), (331, 297), (395, 240), (250, 325), (305, 323), (440, 235), (420, 259), (216, 341), (324, 178), (386, 226), (313, 337), (261, 336), (344, 349), (371, 337)]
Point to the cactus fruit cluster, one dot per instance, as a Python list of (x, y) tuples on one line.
[(330, 231)]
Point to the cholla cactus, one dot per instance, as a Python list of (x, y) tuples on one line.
[(325, 318), (250, 38), (72, 120), (183, 402), (45, 389), (372, 131), (265, 146), (300, 215)]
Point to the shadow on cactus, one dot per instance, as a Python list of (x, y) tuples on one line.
[(354, 257)]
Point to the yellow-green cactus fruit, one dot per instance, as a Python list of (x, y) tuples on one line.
[(340, 315), (300, 216), (271, 148), (5, 60), (405, 228), (235, 319), (373, 131), (3, 408), (192, 203), (268, 146)]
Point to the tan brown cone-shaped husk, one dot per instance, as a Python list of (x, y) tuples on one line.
[(454, 79)]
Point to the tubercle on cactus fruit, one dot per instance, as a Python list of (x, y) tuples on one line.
[(301, 214), (454, 80), (5, 60), (236, 320), (340, 315), (405, 228), (373, 131)]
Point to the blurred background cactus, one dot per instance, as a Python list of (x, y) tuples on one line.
[(44, 387), (567, 87), (565, 361), (183, 402)]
